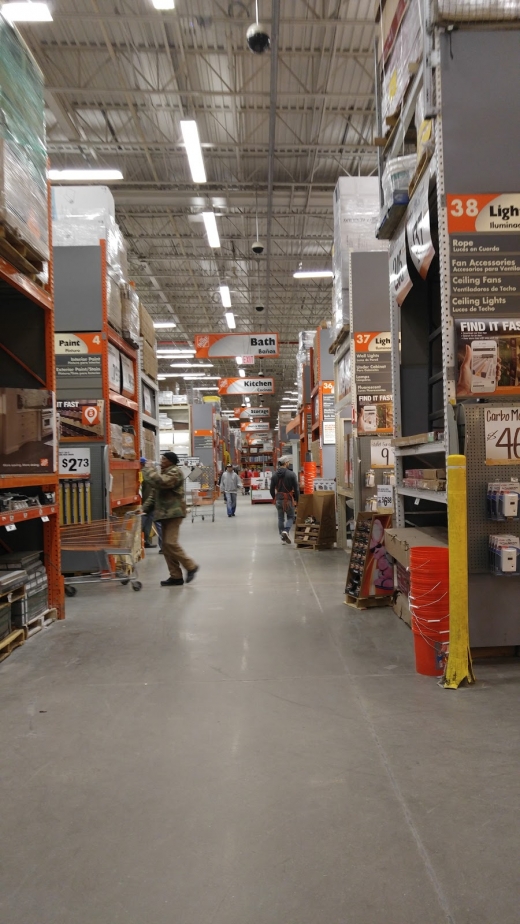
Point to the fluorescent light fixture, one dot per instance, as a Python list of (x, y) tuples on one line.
[(164, 325), (191, 365), (242, 373), (313, 274), (175, 354), (26, 12), (230, 319), (199, 375), (238, 360), (76, 176), (164, 4), (225, 295), (210, 223), (190, 134), (206, 388)]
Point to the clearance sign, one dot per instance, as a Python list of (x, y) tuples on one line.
[(221, 346), (257, 386)]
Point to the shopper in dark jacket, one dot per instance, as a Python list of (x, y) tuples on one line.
[(285, 493), (170, 510)]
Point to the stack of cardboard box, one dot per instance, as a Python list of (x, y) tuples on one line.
[(149, 343)]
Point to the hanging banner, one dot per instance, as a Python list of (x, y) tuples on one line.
[(484, 233), (418, 231), (400, 282), (252, 413), (220, 346), (81, 420), (502, 431), (255, 426), (488, 356), (373, 377), (258, 386)]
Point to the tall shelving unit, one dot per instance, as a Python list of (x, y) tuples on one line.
[(148, 399), (82, 315), (27, 362), (445, 308)]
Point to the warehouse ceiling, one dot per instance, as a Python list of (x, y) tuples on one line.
[(277, 131)]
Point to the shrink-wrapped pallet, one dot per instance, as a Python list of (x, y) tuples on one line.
[(23, 155)]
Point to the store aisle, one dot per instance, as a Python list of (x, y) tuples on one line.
[(247, 750)]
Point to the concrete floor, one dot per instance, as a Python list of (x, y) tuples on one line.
[(247, 750)]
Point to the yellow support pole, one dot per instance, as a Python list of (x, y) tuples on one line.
[(459, 667)]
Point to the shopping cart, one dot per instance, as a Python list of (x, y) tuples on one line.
[(101, 552), (202, 503)]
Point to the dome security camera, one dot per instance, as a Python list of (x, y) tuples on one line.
[(258, 38), (257, 247), (259, 308)]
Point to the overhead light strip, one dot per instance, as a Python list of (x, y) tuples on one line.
[(26, 12), (190, 134), (313, 274), (210, 223), (71, 175)]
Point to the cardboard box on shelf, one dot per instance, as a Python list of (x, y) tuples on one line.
[(114, 306), (150, 364), (146, 327), (399, 541), (436, 474), (114, 368)]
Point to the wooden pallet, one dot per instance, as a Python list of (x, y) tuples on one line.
[(367, 603), (37, 623), (307, 536), (19, 254), (10, 642)]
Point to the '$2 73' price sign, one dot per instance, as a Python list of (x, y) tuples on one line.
[(74, 462), (502, 429)]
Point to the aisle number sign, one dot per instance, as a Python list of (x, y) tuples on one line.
[(74, 461), (502, 433), (481, 213), (220, 346)]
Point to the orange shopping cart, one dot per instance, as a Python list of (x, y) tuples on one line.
[(102, 552), (203, 503)]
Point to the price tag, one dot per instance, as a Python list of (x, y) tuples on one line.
[(382, 454), (74, 461), (10, 528), (385, 496), (45, 519), (502, 430)]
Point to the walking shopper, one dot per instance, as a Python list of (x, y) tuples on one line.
[(231, 485), (285, 493), (169, 510)]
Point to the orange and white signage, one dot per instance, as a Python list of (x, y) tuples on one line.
[(373, 342), (255, 426), (252, 413), (484, 213), (254, 386), (221, 346)]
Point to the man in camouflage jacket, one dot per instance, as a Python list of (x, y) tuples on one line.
[(169, 508)]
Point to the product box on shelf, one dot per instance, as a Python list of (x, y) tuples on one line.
[(150, 364), (401, 608), (127, 376), (23, 155), (114, 306), (128, 446), (114, 368), (399, 541), (399, 67), (130, 313), (147, 329), (116, 441)]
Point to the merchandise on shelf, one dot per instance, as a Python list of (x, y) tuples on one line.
[(130, 313), (23, 154), (128, 445), (424, 128), (114, 368), (504, 555), (82, 216), (503, 500), (34, 601), (114, 303), (146, 328), (116, 441), (478, 10), (406, 51), (75, 501), (397, 176), (150, 362)]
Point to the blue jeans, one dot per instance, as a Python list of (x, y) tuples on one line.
[(231, 501), (287, 515)]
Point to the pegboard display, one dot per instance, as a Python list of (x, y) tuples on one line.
[(479, 474)]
